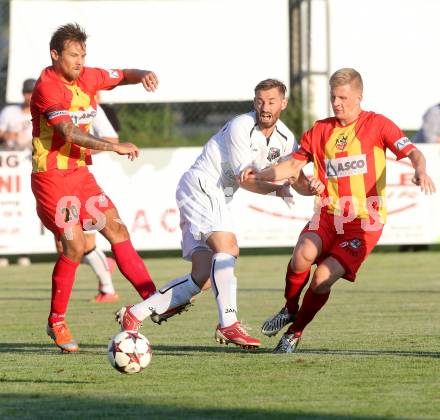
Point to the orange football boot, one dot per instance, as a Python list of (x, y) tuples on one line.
[(60, 333), (237, 335)]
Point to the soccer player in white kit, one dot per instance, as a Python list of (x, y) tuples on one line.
[(257, 138)]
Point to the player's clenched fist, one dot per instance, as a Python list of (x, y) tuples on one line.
[(150, 81), (316, 186), (247, 173), (128, 149)]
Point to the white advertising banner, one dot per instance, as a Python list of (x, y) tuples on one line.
[(382, 34), (210, 50), (144, 190)]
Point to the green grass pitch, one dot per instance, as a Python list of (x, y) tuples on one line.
[(372, 352)]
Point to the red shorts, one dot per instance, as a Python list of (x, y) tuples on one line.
[(349, 247), (66, 197)]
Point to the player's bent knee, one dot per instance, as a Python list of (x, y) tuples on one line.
[(74, 250), (321, 289), (116, 232), (122, 231), (301, 263), (201, 276)]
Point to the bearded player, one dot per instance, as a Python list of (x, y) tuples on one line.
[(68, 198)]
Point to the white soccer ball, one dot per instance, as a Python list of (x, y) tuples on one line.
[(129, 352)]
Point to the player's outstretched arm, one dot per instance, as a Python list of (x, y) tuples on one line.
[(128, 149), (420, 177), (262, 187), (72, 134), (148, 78), (288, 169)]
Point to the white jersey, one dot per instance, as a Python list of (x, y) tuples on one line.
[(239, 144), (15, 120), (101, 126), (205, 189)]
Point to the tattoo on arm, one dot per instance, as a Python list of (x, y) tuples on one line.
[(72, 134)]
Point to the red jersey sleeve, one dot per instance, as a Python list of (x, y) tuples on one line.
[(305, 148), (394, 138), (48, 100), (106, 79)]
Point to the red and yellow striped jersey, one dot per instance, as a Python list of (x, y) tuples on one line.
[(54, 101), (350, 161)]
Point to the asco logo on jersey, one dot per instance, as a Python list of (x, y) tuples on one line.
[(345, 166)]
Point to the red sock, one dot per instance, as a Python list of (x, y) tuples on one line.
[(295, 283), (310, 306), (63, 277), (133, 268)]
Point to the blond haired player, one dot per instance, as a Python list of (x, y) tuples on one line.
[(348, 153)]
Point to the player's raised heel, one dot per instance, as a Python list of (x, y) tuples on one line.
[(288, 343), (277, 322), (237, 335), (159, 318), (127, 320), (60, 333)]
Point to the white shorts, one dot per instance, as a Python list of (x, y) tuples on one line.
[(203, 210)]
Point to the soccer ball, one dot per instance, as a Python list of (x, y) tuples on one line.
[(129, 352)]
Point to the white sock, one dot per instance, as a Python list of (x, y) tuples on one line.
[(98, 261), (224, 286), (173, 294)]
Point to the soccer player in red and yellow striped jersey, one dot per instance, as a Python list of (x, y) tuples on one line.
[(67, 196), (348, 154)]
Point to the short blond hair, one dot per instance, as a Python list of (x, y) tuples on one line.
[(346, 76)]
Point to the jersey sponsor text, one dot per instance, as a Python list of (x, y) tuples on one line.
[(346, 166)]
